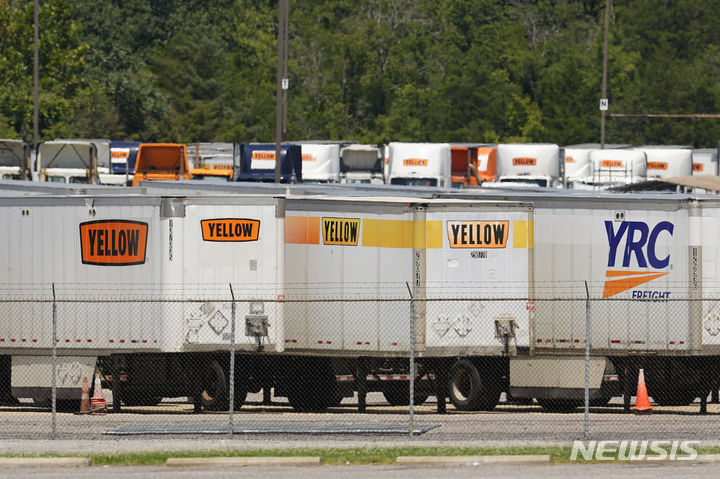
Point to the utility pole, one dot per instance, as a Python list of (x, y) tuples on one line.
[(282, 85), (603, 98), (36, 77), (285, 85)]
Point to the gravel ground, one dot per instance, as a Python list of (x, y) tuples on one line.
[(27, 430)]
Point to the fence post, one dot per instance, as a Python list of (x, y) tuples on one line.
[(53, 416), (412, 362), (587, 362), (232, 359)]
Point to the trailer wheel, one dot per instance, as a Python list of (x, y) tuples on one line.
[(215, 396), (312, 386), (469, 391), (399, 395)]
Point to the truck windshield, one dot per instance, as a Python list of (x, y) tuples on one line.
[(529, 181), (414, 181)]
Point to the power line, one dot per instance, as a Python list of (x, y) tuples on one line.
[(666, 115)]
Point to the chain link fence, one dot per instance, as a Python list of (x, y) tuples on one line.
[(512, 369)]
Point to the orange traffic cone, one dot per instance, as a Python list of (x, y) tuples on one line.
[(98, 405), (85, 398), (642, 401)]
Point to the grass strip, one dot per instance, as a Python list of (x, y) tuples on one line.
[(336, 456)]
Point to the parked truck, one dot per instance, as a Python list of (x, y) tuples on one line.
[(473, 164), (528, 165), (420, 164), (320, 162), (362, 164), (14, 160), (617, 167), (161, 162), (705, 162), (68, 161), (214, 161), (257, 162), (123, 156), (664, 161), (578, 167)]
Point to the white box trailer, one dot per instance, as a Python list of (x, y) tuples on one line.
[(648, 260), (134, 260), (125, 269)]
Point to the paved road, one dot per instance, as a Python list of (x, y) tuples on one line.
[(636, 471)]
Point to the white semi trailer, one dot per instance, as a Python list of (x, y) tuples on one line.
[(496, 284), (135, 262), (651, 266)]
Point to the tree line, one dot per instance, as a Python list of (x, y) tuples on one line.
[(481, 71)]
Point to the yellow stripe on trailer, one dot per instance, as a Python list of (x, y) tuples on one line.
[(523, 234), (402, 234), (394, 233)]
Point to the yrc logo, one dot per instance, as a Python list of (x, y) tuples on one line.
[(634, 240)]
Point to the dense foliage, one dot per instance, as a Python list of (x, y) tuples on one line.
[(371, 71)]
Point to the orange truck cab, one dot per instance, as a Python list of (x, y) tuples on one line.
[(473, 164), (161, 162)]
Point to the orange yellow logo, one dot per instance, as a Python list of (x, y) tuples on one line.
[(113, 242), (230, 229), (415, 162), (263, 155), (524, 161), (657, 165), (612, 164)]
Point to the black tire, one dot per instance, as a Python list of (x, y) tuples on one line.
[(215, 396), (312, 387), (399, 395), (559, 405), (471, 391)]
